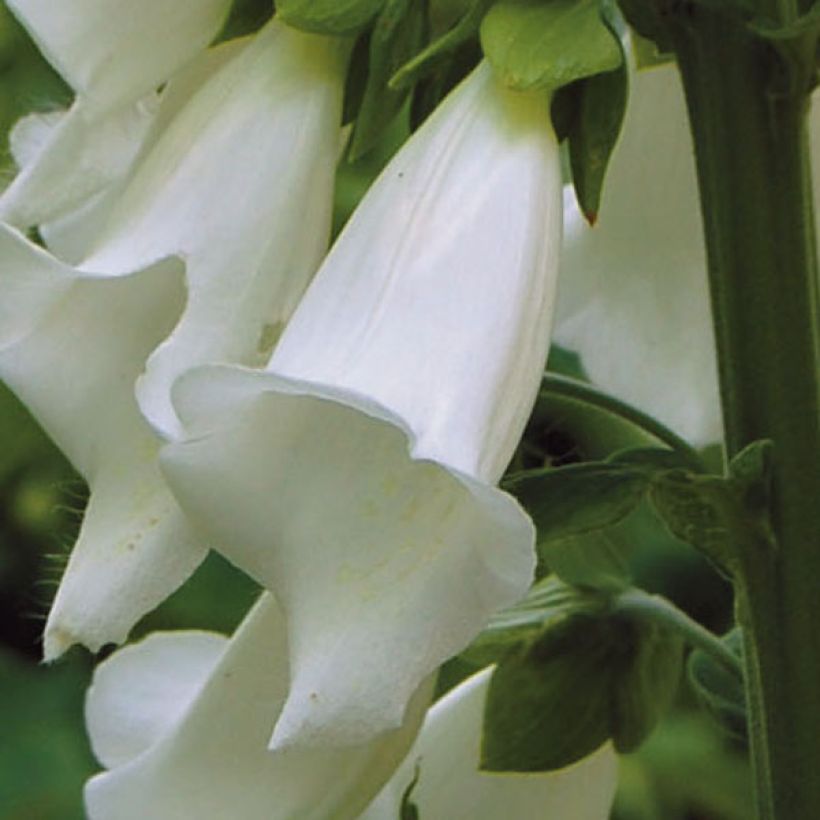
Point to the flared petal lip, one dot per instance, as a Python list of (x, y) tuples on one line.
[(241, 384)]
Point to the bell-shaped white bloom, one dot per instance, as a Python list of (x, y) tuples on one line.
[(634, 298), (634, 291), (114, 54), (182, 722), (239, 186), (354, 477), (444, 761)]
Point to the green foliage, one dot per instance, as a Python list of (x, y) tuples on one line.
[(599, 112), (587, 677), (398, 34), (43, 756), (719, 691), (245, 17), (27, 81), (546, 45), (722, 517), (684, 771), (328, 16), (443, 47)]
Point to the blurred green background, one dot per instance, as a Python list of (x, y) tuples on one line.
[(688, 770)]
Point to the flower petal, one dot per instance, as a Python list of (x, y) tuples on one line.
[(141, 692), (79, 156), (634, 293), (71, 346), (436, 300), (240, 186), (384, 564), (213, 760), (72, 236), (114, 51), (450, 784), (426, 329)]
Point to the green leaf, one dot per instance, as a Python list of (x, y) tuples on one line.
[(588, 677), (533, 44), (599, 114), (328, 16), (408, 810), (699, 511), (398, 33), (549, 600), (245, 17), (646, 688), (592, 138), (442, 48), (548, 707), (568, 501), (572, 508), (719, 691)]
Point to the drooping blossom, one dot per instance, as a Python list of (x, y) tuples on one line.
[(236, 187), (181, 721), (355, 477)]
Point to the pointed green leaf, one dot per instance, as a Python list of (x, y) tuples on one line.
[(398, 33), (442, 47)]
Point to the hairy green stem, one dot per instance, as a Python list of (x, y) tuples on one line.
[(748, 105), (661, 611)]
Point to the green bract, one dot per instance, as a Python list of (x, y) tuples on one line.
[(328, 16), (532, 44)]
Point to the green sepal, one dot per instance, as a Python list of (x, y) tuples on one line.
[(397, 34), (245, 17), (536, 45), (442, 48), (646, 688), (588, 677), (509, 630), (548, 706), (337, 17), (408, 810), (720, 692), (598, 118)]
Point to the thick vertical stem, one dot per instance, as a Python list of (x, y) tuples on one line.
[(748, 110)]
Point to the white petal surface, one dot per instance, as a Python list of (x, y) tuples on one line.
[(451, 786), (141, 692), (240, 186), (71, 347), (634, 293), (114, 51), (73, 158), (213, 762), (71, 237), (384, 565), (426, 328), (436, 301)]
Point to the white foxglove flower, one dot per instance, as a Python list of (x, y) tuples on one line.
[(182, 722), (239, 186), (445, 758), (113, 54), (634, 292), (634, 298), (354, 477)]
